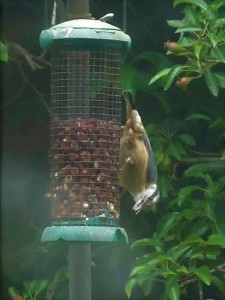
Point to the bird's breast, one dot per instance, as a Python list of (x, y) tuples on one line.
[(133, 164)]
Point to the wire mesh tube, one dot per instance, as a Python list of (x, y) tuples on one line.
[(85, 132)]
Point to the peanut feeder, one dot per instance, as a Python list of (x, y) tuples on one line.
[(86, 58)]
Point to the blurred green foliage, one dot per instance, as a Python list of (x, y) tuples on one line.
[(180, 241), (201, 45), (184, 255)]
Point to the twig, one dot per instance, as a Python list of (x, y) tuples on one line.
[(17, 52), (205, 154), (200, 290), (220, 268), (34, 89), (192, 160), (16, 97)]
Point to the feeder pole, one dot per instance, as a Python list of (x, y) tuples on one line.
[(78, 9), (87, 45), (79, 271), (79, 254)]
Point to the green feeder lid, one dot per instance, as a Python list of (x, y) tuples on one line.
[(84, 32), (84, 234)]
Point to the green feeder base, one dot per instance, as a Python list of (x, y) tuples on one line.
[(84, 234)]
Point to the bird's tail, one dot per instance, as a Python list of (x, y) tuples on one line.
[(133, 118), (127, 95)]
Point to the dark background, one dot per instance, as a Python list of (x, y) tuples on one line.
[(25, 144)]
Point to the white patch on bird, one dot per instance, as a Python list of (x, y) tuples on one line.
[(130, 131), (146, 197), (139, 128), (136, 116)]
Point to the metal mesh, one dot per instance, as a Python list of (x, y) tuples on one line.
[(85, 132)]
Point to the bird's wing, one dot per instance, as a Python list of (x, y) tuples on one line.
[(152, 175)]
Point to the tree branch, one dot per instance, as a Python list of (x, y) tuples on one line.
[(220, 268), (18, 53)]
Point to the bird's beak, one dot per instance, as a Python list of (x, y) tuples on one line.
[(146, 198)]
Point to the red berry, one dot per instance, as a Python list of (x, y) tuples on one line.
[(184, 81), (174, 47)]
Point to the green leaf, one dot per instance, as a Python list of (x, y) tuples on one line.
[(167, 222), (189, 214), (212, 15), (218, 123), (218, 3), (221, 78), (159, 75), (184, 192), (138, 269), (191, 16), (218, 53), (158, 60), (187, 41), (175, 23), (199, 3), (164, 185), (146, 243), (178, 250), (158, 153), (129, 286), (209, 212), (41, 286), (173, 289), (197, 255), (212, 82), (168, 273), (3, 52), (187, 139), (217, 282), (13, 292), (215, 39), (175, 150), (175, 71), (198, 170), (195, 171), (193, 238), (147, 285), (163, 98), (146, 258), (188, 29), (144, 269), (197, 49), (203, 273), (129, 78), (212, 253), (220, 22), (197, 117), (216, 240), (182, 269)]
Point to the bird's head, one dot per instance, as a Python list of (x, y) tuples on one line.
[(146, 197)]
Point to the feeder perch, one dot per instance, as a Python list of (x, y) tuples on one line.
[(86, 56)]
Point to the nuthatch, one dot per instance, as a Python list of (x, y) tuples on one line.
[(138, 170)]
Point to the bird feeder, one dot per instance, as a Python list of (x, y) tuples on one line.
[(86, 56)]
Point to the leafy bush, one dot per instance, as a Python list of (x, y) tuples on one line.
[(184, 257), (201, 44)]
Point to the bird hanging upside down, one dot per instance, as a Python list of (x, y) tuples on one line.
[(138, 170)]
